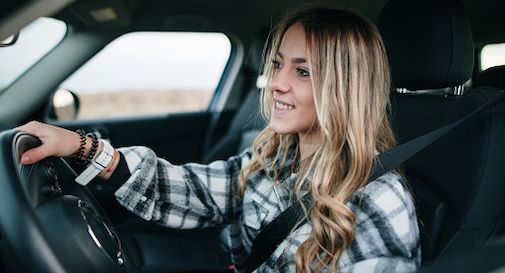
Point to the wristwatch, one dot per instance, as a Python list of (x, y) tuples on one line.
[(100, 162)]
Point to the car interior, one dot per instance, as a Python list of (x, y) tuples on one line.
[(434, 49), (451, 221)]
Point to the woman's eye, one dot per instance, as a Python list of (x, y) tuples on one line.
[(302, 72), (276, 64)]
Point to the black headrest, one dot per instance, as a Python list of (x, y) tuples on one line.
[(493, 77), (255, 55), (429, 43)]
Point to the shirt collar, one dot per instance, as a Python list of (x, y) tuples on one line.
[(279, 169)]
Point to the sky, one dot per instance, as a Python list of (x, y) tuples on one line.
[(155, 61)]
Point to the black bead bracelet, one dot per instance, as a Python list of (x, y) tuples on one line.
[(94, 147), (78, 157), (80, 153)]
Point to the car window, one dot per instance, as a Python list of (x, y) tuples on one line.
[(145, 73), (34, 41), (492, 55)]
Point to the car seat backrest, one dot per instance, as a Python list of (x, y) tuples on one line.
[(493, 76), (456, 182), (247, 122)]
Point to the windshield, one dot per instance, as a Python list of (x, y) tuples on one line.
[(35, 40)]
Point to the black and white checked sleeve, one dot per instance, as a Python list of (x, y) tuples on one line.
[(186, 196)]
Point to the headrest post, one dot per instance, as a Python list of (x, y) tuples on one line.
[(402, 90), (458, 90)]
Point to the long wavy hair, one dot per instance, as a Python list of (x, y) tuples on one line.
[(351, 82)]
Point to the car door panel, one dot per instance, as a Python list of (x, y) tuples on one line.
[(176, 137)]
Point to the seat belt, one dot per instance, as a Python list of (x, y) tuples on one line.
[(293, 217)]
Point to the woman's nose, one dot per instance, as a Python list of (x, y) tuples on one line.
[(280, 82)]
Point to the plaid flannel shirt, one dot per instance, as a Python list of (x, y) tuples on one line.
[(197, 196)]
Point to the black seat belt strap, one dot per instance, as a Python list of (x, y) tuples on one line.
[(293, 217), (390, 159)]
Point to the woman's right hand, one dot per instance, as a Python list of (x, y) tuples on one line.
[(56, 141)]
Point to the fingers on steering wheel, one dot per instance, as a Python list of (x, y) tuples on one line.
[(33, 155)]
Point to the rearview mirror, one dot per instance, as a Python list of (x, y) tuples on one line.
[(9, 40)]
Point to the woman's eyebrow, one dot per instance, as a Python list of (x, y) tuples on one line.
[(294, 60), (298, 60)]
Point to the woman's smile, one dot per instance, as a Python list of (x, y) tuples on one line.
[(282, 107)]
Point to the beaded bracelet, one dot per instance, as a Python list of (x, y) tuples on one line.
[(80, 153), (94, 147)]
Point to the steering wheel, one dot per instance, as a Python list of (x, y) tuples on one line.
[(48, 222)]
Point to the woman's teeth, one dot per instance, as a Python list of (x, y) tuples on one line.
[(283, 106)]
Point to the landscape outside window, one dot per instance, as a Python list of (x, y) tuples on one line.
[(492, 55), (145, 73)]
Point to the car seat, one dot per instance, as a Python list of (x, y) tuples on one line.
[(493, 76), (457, 182)]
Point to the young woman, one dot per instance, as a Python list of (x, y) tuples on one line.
[(326, 103)]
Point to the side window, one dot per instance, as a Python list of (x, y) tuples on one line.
[(146, 73), (492, 55)]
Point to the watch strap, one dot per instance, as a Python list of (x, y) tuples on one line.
[(100, 162)]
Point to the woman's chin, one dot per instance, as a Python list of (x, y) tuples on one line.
[(282, 130)]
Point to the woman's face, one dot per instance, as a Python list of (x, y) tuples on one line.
[(293, 109)]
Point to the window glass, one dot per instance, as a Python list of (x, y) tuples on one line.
[(34, 41), (492, 55), (144, 73)]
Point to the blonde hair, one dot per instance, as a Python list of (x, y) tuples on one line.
[(351, 81)]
